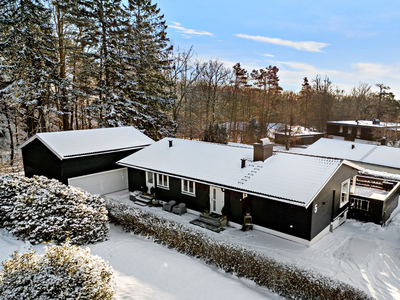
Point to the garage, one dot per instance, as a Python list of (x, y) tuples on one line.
[(102, 182)]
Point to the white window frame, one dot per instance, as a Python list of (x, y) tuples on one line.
[(340, 128), (358, 204), (345, 193), (163, 181), (185, 187)]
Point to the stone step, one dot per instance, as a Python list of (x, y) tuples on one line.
[(206, 226)]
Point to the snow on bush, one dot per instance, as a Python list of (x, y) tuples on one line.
[(286, 280), (63, 272), (39, 209)]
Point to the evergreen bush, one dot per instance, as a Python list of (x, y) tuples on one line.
[(39, 209), (63, 272), (287, 280)]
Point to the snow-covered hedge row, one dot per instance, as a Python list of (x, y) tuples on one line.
[(40, 209), (63, 272), (286, 280)]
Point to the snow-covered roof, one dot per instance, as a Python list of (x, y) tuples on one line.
[(285, 177), (76, 143), (364, 123), (357, 152)]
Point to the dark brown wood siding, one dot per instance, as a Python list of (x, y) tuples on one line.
[(136, 180), (322, 218), (39, 160), (200, 202), (283, 217), (234, 203), (79, 166)]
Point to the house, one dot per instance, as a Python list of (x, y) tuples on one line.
[(299, 136), (361, 129), (294, 196), (83, 158), (373, 199), (375, 157)]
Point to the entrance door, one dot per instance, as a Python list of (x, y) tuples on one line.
[(150, 181), (216, 200)]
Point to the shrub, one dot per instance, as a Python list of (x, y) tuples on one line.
[(63, 272), (287, 280), (40, 209)]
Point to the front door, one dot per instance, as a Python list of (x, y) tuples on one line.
[(216, 200), (149, 181)]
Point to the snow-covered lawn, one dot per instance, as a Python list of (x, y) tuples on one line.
[(364, 255), (146, 270)]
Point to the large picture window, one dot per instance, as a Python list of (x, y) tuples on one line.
[(162, 181), (344, 195), (188, 187)]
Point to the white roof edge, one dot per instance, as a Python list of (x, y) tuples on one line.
[(344, 162), (51, 149), (105, 152), (353, 165), (28, 141), (292, 202)]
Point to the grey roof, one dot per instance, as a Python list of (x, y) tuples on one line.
[(285, 177), (77, 143), (357, 152)]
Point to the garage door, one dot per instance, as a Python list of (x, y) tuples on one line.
[(103, 182)]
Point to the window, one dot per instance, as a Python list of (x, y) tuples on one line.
[(340, 129), (188, 187), (150, 177), (344, 195), (360, 204), (162, 181), (349, 130), (358, 131)]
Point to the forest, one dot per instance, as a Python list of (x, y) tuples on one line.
[(81, 64)]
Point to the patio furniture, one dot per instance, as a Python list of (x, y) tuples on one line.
[(168, 206), (179, 209)]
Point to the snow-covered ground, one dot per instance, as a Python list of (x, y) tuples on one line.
[(364, 255)]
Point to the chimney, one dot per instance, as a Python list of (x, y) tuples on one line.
[(243, 163), (262, 150), (170, 143), (376, 122)]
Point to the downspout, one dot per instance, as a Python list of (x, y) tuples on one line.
[(333, 210)]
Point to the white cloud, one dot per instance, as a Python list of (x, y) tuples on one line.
[(188, 32), (303, 46), (371, 70), (268, 55)]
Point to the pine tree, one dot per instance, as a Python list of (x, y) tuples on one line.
[(29, 60), (146, 51)]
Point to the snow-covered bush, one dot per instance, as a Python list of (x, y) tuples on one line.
[(63, 272), (289, 281), (40, 209)]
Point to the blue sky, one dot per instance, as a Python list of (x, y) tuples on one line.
[(349, 41)]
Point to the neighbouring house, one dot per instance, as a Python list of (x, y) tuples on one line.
[(369, 156), (83, 158), (299, 135), (361, 129), (373, 199), (294, 196)]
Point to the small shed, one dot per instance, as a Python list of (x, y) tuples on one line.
[(83, 158), (373, 199)]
